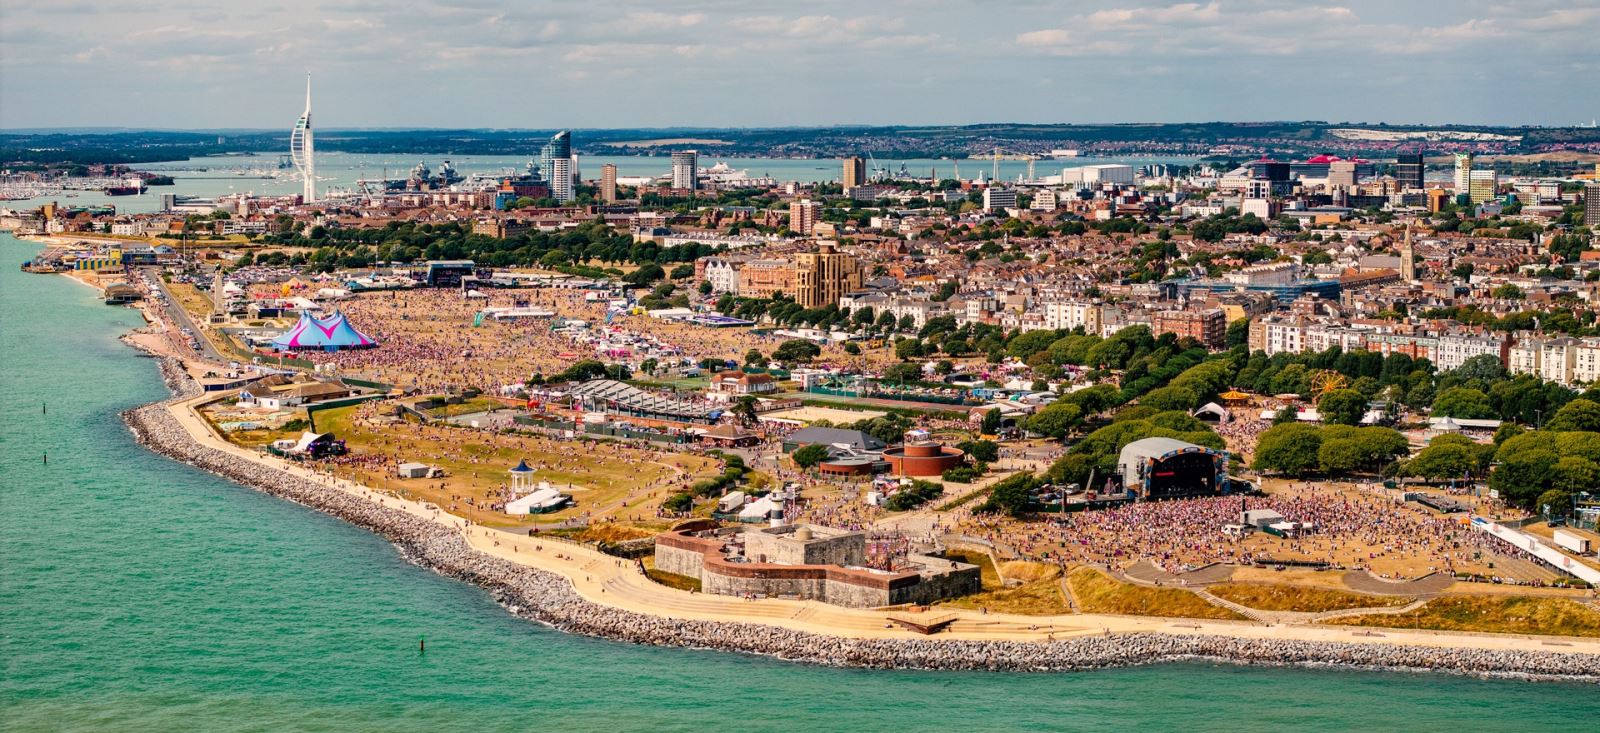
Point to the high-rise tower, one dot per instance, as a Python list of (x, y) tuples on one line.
[(302, 149), (685, 170), (855, 173), (558, 154), (1463, 177)]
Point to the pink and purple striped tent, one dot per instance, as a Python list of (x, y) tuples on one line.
[(327, 334)]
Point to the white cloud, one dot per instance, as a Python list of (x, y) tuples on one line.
[(1047, 37), (853, 61), (1180, 14)]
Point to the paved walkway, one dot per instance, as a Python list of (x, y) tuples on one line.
[(612, 581), (1145, 571), (1430, 584)]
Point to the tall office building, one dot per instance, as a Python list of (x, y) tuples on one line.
[(1591, 204), (685, 170), (608, 183), (302, 151), (803, 215), (1408, 171), (821, 278), (1463, 172), (1483, 186), (561, 180), (560, 146), (855, 173), (558, 153)]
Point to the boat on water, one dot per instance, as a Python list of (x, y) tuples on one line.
[(124, 190)]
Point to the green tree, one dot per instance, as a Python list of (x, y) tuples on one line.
[(1030, 343), (679, 502), (1484, 369), (1290, 449), (1463, 402), (986, 451), (1579, 414), (1096, 399), (1576, 473), (796, 351), (1011, 495), (903, 372), (1346, 450), (744, 408), (1342, 407), (1507, 292), (1443, 460), (1507, 431), (1238, 333), (646, 274), (809, 455), (1055, 420), (991, 422)]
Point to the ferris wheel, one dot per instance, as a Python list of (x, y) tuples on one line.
[(1326, 381)]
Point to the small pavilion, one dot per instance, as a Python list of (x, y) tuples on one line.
[(521, 479)]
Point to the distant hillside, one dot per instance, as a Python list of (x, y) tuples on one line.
[(1226, 138)]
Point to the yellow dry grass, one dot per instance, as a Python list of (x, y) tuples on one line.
[(606, 480), (1099, 593), (194, 302), (613, 532), (1029, 572), (1039, 598), (1301, 598), (671, 580), (1494, 614)]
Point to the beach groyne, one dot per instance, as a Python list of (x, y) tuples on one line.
[(549, 598)]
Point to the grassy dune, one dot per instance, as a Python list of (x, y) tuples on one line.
[(1301, 598), (1099, 593), (1495, 614)]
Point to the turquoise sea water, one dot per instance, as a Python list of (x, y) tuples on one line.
[(139, 594)]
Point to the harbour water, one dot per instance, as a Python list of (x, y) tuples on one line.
[(140, 594), (259, 174)]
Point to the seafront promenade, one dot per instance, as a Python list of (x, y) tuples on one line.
[(581, 589)]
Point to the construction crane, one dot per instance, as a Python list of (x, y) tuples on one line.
[(875, 172), (1011, 155)]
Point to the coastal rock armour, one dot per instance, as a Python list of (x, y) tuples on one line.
[(548, 598)]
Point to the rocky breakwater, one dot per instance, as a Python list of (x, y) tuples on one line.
[(548, 598)]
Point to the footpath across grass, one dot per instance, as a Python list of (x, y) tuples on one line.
[(1493, 614), (1099, 593), (1301, 598)]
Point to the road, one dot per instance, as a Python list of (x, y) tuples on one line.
[(180, 317)]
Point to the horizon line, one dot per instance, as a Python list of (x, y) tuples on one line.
[(111, 129)]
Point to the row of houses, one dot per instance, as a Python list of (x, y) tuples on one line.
[(1567, 361)]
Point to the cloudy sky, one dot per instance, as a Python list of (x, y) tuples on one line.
[(730, 63)]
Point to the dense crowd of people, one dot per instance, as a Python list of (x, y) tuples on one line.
[(1344, 528)]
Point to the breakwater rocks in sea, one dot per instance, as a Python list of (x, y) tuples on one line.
[(550, 599)]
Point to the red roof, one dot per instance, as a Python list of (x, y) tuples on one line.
[(1325, 158)]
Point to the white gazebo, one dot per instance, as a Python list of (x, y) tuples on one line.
[(521, 479)]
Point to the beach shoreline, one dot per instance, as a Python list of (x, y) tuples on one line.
[(559, 600)]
